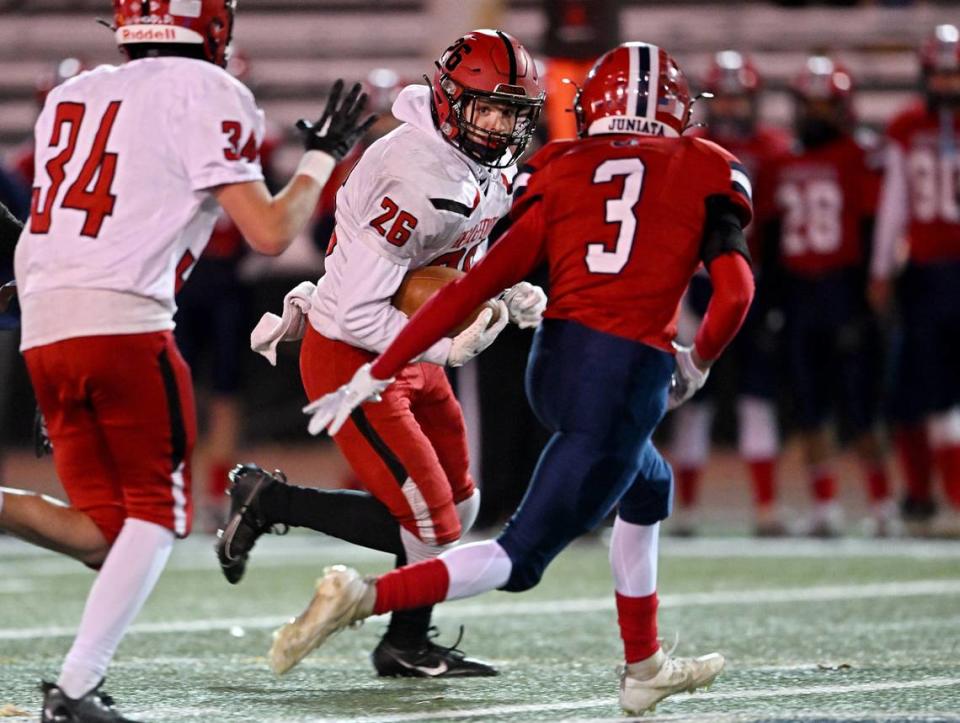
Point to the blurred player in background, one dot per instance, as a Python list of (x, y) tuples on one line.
[(732, 121), (212, 334), (826, 198), (920, 202), (426, 194), (131, 162), (623, 217), (16, 202)]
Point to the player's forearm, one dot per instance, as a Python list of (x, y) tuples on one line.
[(271, 223), (892, 214), (373, 325), (509, 261), (732, 294)]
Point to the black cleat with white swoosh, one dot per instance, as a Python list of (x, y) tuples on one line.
[(427, 660)]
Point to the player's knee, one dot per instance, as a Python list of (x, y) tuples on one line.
[(467, 510)]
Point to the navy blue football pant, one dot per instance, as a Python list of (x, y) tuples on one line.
[(601, 397)]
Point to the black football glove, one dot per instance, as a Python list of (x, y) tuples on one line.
[(337, 130)]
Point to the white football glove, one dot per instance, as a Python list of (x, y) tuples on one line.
[(331, 410), (478, 336), (687, 377), (526, 303)]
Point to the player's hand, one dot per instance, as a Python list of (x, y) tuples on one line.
[(526, 303), (478, 336), (338, 128), (331, 410), (7, 293), (687, 377)]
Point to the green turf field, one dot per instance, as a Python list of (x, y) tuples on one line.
[(854, 630)]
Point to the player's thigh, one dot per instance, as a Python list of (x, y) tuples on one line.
[(584, 381), (84, 466), (384, 443), (145, 408), (439, 415)]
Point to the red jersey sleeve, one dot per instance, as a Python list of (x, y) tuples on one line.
[(512, 258), (726, 175)]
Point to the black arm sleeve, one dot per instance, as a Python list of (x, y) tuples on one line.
[(10, 229), (722, 230)]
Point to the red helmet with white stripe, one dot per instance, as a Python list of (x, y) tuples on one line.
[(634, 88), (207, 23), (491, 65)]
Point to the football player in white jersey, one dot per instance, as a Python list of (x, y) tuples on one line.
[(131, 162), (427, 193)]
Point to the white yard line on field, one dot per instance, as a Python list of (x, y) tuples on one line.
[(18, 559), (759, 693), (462, 610)]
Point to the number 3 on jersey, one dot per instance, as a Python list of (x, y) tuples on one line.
[(620, 211), (96, 202)]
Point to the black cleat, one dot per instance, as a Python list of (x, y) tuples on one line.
[(428, 660), (245, 522), (95, 707)]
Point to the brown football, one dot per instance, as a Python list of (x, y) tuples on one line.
[(420, 284)]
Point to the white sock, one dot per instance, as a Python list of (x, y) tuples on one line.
[(476, 568), (691, 435), (123, 585), (633, 557)]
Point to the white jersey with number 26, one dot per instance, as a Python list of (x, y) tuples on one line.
[(126, 157)]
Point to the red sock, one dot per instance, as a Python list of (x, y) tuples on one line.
[(824, 485), (688, 485), (217, 481), (878, 484), (413, 586), (948, 461), (764, 487), (915, 459), (638, 626)]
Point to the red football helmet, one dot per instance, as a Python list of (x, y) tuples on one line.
[(208, 23), (940, 52), (824, 94), (634, 88), (823, 78), (940, 65), (732, 73), (490, 65)]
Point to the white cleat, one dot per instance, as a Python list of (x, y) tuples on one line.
[(342, 598), (644, 684)]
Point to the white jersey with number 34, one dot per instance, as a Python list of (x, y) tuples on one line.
[(126, 157)]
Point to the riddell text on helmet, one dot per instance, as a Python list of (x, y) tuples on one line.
[(130, 35)]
